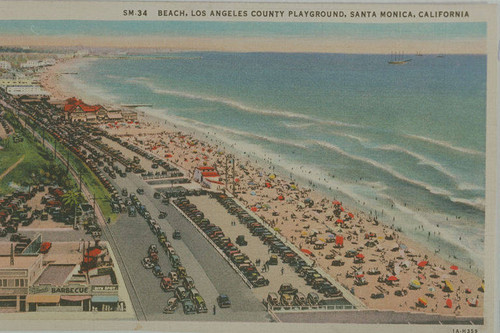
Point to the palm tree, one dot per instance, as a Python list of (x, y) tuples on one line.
[(73, 199)]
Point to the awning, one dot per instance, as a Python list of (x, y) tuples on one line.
[(42, 298), (104, 299), (75, 298)]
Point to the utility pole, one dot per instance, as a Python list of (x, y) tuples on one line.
[(234, 182), (67, 162), (80, 178), (227, 170), (55, 149)]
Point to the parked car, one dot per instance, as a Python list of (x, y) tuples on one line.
[(166, 284), (176, 234), (180, 293), (188, 307), (200, 305), (140, 191), (147, 263), (171, 305), (157, 271), (173, 277), (223, 301), (299, 299), (287, 288), (45, 247), (272, 299), (286, 300), (240, 240), (312, 299), (188, 282)]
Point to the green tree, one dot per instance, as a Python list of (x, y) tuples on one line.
[(72, 199)]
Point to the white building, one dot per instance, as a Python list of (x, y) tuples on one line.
[(17, 81), (32, 91), (5, 65)]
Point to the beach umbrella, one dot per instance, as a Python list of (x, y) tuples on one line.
[(432, 289), (330, 236), (360, 256), (337, 203), (277, 229), (340, 221), (323, 240), (304, 233), (341, 208), (360, 276), (306, 251), (421, 277), (281, 197), (251, 183), (236, 180), (258, 206), (268, 185), (402, 246), (351, 215), (415, 284), (454, 268), (422, 301), (318, 242), (449, 303), (339, 240), (392, 278), (253, 209), (253, 193), (272, 176), (293, 187), (422, 264)]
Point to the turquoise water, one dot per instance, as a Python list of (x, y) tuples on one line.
[(405, 143)]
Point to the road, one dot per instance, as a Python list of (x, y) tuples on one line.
[(212, 275)]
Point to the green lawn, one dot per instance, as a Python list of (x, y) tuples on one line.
[(36, 166), (37, 158)]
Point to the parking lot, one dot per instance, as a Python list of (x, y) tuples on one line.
[(255, 249)]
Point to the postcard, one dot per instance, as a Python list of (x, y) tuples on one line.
[(184, 166)]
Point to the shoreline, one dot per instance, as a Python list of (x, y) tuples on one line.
[(286, 209)]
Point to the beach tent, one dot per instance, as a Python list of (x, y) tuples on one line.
[(306, 251), (449, 303), (448, 287), (339, 241), (474, 302), (422, 264), (415, 284)]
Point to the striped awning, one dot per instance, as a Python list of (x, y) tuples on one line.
[(72, 298)]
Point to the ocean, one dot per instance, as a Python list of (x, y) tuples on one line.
[(405, 143)]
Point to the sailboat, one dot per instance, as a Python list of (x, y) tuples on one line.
[(398, 59)]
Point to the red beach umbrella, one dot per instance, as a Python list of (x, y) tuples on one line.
[(392, 278), (337, 203), (422, 264), (340, 221), (268, 185), (351, 215), (236, 180), (449, 303), (454, 268), (360, 256), (342, 208), (360, 276), (281, 197), (306, 251), (253, 209)]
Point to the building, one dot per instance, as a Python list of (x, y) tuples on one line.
[(71, 276), (17, 273), (17, 80), (5, 65), (29, 91), (39, 63), (76, 110), (208, 177)]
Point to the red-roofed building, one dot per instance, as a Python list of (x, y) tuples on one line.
[(207, 177), (76, 110)]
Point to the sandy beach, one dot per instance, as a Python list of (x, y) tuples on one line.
[(384, 261)]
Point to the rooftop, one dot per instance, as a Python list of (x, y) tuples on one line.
[(55, 275)]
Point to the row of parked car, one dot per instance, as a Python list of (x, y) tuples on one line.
[(287, 295), (277, 247), (156, 162), (215, 233)]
